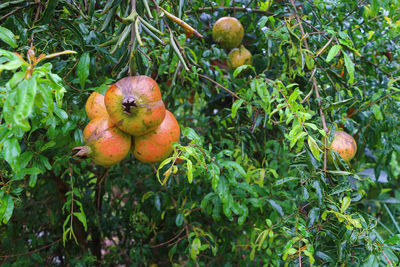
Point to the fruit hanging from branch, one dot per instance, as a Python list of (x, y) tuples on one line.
[(344, 144), (134, 105), (157, 145), (94, 106), (105, 144), (239, 57), (228, 32)]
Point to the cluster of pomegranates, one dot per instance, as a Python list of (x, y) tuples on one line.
[(228, 32), (131, 116)]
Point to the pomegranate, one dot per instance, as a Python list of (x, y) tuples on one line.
[(344, 144), (134, 105), (105, 144), (95, 106), (239, 56), (228, 32), (157, 145)]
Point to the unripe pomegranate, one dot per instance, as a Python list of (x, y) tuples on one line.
[(95, 106), (134, 105), (239, 57), (157, 145), (105, 144), (228, 32)]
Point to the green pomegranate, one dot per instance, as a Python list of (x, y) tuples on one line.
[(239, 57), (228, 32)]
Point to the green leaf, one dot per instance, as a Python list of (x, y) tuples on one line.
[(235, 166), (195, 248), (377, 112), (32, 180), (48, 13), (395, 240), (294, 96), (345, 204), (314, 147), (372, 261), (190, 134), (285, 180), (61, 114), (333, 52), (26, 92), (24, 159), (11, 151), (349, 66), (189, 172), (29, 171), (339, 172), (179, 219), (9, 209), (11, 65), (324, 256), (83, 69), (239, 69), (82, 218), (276, 206), (313, 215), (236, 105), (8, 37)]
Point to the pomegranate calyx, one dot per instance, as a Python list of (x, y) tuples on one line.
[(128, 103)]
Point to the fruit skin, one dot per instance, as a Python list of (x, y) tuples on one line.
[(239, 57), (94, 106), (105, 144), (228, 32), (157, 145), (344, 144), (134, 104)]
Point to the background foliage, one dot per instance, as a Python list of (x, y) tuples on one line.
[(252, 188)]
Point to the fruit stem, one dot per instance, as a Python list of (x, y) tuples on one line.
[(83, 151), (128, 103)]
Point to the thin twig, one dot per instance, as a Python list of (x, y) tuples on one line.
[(372, 103), (133, 36), (32, 251), (16, 10), (98, 197), (299, 252), (144, 54), (156, 5), (166, 242), (38, 10), (239, 9), (221, 86)]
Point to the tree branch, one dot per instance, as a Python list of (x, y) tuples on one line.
[(314, 82), (238, 9)]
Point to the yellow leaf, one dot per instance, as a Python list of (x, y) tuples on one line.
[(370, 33), (389, 21)]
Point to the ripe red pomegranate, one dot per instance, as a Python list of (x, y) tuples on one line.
[(134, 105), (105, 144), (95, 106), (157, 145)]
